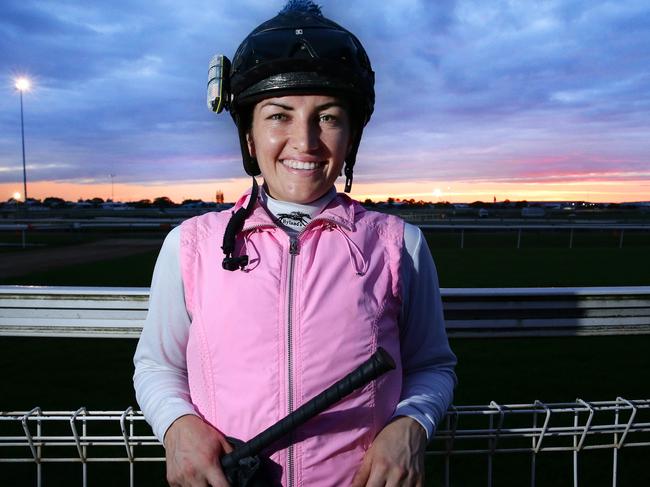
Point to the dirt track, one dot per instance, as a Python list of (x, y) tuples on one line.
[(21, 262)]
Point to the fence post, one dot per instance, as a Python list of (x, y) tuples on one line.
[(618, 444), (36, 450), (126, 435), (494, 440), (577, 445), (452, 424), (537, 445), (81, 449)]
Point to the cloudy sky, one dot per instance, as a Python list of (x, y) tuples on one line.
[(539, 99)]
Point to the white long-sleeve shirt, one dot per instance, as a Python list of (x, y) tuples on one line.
[(160, 378)]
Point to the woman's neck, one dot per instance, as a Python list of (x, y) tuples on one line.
[(295, 216)]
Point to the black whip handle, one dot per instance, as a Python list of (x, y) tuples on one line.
[(379, 363)]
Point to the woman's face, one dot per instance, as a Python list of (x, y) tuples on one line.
[(300, 143)]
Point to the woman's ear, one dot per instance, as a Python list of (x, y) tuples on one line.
[(250, 143)]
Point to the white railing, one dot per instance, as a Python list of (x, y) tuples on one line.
[(479, 312), (83, 437)]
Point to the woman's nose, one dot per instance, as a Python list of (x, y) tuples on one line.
[(306, 136)]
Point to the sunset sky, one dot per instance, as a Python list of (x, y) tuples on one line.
[(535, 100)]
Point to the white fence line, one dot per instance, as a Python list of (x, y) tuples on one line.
[(84, 437), (469, 312), (521, 229)]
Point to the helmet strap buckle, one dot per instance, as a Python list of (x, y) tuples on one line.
[(348, 178)]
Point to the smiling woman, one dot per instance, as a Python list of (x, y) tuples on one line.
[(311, 285)]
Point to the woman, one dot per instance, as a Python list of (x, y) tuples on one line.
[(310, 286)]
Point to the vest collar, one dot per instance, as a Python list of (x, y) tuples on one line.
[(340, 211)]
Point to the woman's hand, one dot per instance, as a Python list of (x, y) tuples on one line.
[(395, 458), (192, 451)]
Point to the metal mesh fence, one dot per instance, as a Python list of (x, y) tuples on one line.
[(533, 430)]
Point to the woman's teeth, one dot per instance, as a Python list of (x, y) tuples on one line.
[(299, 164)]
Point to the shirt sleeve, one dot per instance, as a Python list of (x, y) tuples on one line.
[(427, 360), (160, 377)]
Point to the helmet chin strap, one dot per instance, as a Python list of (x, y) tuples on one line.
[(235, 225)]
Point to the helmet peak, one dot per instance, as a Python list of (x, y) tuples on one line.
[(302, 6)]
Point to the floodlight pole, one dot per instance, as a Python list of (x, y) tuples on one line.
[(22, 132)]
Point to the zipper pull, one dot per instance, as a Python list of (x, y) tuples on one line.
[(293, 246)]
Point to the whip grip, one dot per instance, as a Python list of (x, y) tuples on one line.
[(379, 363)]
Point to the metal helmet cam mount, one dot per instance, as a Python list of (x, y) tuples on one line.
[(299, 51)]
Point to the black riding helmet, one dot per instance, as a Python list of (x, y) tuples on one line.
[(297, 51)]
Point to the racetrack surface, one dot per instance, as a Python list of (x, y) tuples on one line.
[(21, 262)]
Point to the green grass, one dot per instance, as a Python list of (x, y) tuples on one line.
[(487, 260), (62, 373), (491, 259), (516, 370), (497, 267)]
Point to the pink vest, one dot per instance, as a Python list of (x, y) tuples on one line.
[(303, 314)]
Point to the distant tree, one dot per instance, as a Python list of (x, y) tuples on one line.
[(96, 201), (477, 204), (163, 202), (369, 202), (390, 201), (145, 203), (219, 196), (53, 202), (190, 201)]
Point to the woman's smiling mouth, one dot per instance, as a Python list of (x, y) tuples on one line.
[(300, 164)]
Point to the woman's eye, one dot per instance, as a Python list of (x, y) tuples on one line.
[(327, 117), (277, 116)]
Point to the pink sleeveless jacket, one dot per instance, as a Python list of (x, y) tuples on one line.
[(304, 313)]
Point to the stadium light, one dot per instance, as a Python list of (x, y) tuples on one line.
[(23, 84)]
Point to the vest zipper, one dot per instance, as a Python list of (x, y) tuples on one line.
[(293, 251)]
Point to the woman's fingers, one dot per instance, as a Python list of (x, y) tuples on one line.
[(192, 450), (395, 458), (216, 478), (361, 477)]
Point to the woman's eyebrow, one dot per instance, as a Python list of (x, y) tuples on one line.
[(277, 104), (331, 104)]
